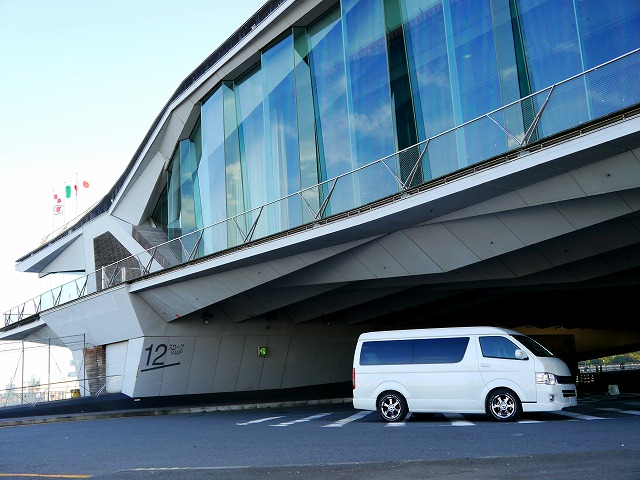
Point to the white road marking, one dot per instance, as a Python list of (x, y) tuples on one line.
[(578, 416), (619, 410), (260, 420), (306, 419), (350, 419), (457, 420)]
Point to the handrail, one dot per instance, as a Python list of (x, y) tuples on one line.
[(36, 395), (547, 122)]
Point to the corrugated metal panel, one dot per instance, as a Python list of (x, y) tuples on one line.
[(116, 358)]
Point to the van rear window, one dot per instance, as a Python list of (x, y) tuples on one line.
[(418, 351)]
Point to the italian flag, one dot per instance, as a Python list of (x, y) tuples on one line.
[(68, 188)]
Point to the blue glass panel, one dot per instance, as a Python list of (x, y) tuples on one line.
[(233, 170), (189, 195), (369, 94), (477, 74), (330, 96), (429, 66), (552, 52), (187, 170), (309, 171), (281, 139), (429, 72), (251, 136), (607, 29), (550, 40), (212, 172), (173, 197)]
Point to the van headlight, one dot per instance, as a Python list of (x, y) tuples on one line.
[(546, 378)]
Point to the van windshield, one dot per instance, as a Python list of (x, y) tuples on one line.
[(537, 349)]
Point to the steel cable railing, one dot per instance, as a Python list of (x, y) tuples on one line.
[(585, 98)]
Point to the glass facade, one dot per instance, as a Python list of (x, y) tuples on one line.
[(369, 79)]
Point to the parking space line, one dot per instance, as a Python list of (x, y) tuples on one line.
[(578, 416), (352, 418), (619, 410), (260, 420), (457, 420), (306, 419)]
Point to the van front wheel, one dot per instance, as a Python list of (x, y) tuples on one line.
[(503, 405), (392, 407)]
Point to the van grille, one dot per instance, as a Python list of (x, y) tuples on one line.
[(568, 393)]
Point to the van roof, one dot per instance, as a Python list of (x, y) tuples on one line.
[(434, 332)]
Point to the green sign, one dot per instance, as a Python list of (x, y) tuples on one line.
[(262, 351)]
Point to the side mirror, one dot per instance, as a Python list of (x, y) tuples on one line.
[(520, 355)]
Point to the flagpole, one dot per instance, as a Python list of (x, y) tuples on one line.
[(76, 189)]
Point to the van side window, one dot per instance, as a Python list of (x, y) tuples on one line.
[(407, 352), (389, 352), (440, 350), (498, 347)]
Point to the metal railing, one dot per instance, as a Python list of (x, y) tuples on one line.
[(49, 392), (583, 99), (40, 370)]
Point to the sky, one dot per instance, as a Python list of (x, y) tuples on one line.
[(80, 85)]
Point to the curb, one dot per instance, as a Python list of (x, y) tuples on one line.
[(145, 412)]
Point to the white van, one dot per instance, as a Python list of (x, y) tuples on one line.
[(488, 370)]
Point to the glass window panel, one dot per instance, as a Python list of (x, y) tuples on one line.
[(309, 172), (498, 347), (173, 197), (550, 40), (429, 66), (607, 29), (477, 74), (429, 72), (552, 52), (369, 92), (330, 97), (187, 207), (160, 213), (233, 167), (390, 352), (281, 139), (476, 58), (440, 350), (212, 171), (402, 103), (249, 106)]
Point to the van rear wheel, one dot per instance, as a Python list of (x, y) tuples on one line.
[(392, 407), (503, 405)]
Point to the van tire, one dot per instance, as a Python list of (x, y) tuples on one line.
[(503, 405), (392, 407)]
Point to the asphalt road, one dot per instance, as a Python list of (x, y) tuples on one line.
[(598, 439)]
